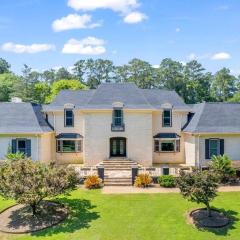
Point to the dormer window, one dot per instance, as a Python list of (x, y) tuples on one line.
[(167, 118), (68, 118), (117, 122)]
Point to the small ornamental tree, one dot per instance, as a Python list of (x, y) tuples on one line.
[(29, 182), (198, 186), (222, 166)]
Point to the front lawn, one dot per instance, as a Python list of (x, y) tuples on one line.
[(137, 216)]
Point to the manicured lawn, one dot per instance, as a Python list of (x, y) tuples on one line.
[(138, 216)]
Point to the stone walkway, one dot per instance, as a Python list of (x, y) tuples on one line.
[(156, 189)]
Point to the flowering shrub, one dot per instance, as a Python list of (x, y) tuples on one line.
[(143, 180), (92, 182)]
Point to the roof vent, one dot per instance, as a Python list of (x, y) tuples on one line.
[(16, 100)]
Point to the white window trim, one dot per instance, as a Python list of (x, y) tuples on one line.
[(69, 139), (167, 139), (65, 117), (170, 110)]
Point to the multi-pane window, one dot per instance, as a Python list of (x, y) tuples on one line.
[(69, 146), (165, 171), (69, 118), (214, 147), (117, 117), (167, 145), (21, 146), (167, 118)]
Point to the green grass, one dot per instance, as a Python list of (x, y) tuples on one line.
[(137, 216)]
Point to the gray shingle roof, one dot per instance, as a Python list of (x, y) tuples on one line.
[(107, 93), (215, 118), (22, 118)]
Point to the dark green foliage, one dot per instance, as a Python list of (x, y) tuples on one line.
[(29, 182), (167, 181), (222, 166), (198, 186), (191, 81)]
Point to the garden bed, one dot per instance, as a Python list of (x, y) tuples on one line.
[(19, 218), (199, 217)]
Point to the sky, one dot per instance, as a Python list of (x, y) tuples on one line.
[(48, 34)]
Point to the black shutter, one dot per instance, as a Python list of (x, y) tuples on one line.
[(207, 149), (14, 145), (28, 148), (221, 146)]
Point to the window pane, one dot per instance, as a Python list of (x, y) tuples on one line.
[(21, 146), (118, 117), (68, 146), (167, 118), (167, 146), (68, 118), (165, 171), (213, 147)]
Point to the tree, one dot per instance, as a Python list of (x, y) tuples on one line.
[(170, 76), (79, 69), (197, 83), (29, 182), (4, 66), (7, 83), (98, 71), (224, 85), (63, 73), (141, 73), (222, 166), (48, 76), (41, 92), (64, 84), (198, 186)]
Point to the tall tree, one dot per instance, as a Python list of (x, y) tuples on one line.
[(170, 76), (224, 85), (99, 71), (4, 66), (63, 73), (79, 69), (49, 76), (141, 73), (198, 83), (41, 91)]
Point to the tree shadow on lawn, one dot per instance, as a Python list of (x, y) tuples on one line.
[(80, 217), (223, 231)]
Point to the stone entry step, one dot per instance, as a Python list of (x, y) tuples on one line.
[(118, 171)]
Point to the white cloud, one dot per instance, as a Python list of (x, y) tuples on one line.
[(134, 17), (85, 46), (126, 8), (216, 56), (155, 65), (74, 21), (223, 7), (178, 29), (33, 48), (122, 6), (221, 56)]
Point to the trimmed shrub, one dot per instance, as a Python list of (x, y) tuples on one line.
[(143, 180), (92, 182), (167, 181)]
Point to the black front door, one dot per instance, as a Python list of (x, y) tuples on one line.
[(118, 147)]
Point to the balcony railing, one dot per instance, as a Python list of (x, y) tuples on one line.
[(118, 128)]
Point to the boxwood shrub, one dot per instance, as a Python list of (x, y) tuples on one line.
[(167, 181)]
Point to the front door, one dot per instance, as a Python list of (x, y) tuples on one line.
[(118, 147)]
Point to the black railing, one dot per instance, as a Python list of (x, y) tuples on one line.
[(117, 128)]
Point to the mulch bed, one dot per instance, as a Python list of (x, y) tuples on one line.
[(19, 218), (200, 218)]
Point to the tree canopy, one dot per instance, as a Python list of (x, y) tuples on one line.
[(190, 80)]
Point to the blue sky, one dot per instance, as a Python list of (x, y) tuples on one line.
[(51, 33)]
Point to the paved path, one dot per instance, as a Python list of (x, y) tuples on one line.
[(156, 189)]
